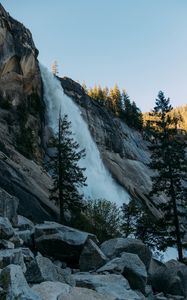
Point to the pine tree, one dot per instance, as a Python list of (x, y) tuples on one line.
[(100, 95), (63, 165), (127, 108), (131, 113), (137, 222), (116, 100), (169, 162), (150, 231), (84, 87), (136, 117), (90, 92), (130, 213), (95, 92)]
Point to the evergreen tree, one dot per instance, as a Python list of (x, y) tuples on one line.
[(132, 114), (100, 95), (63, 165), (116, 100), (127, 108), (130, 213), (84, 87), (150, 231), (105, 93), (139, 223), (95, 92), (90, 92), (169, 162), (136, 117)]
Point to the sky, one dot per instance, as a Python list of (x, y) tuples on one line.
[(139, 44)]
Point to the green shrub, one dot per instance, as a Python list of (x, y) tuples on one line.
[(102, 218)]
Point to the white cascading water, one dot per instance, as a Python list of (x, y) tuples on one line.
[(100, 184)]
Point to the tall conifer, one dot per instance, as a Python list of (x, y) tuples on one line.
[(63, 164), (169, 162)]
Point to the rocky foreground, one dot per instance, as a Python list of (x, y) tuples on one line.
[(50, 261)]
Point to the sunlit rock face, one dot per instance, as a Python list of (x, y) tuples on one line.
[(18, 65), (20, 80)]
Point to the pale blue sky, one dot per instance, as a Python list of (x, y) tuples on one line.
[(139, 44)]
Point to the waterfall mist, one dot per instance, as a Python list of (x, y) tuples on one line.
[(100, 183)]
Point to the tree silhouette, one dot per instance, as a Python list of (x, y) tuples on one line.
[(63, 165)]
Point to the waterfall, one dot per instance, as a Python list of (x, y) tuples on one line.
[(100, 183)]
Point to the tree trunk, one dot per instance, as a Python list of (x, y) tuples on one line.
[(60, 184), (176, 221)]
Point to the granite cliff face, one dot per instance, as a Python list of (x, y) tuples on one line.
[(20, 82), (22, 128), (21, 121), (123, 149), (19, 70)]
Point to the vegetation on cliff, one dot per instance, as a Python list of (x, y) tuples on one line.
[(118, 103), (177, 113)]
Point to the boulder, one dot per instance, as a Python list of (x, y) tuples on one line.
[(28, 256), (12, 256), (110, 285), (61, 242), (114, 247), (8, 206), (6, 229), (91, 257), (155, 265), (17, 241), (65, 276), (175, 297), (131, 267), (49, 290), (84, 294), (25, 224), (42, 269), (59, 291), (59, 263), (149, 292), (4, 244), (26, 236), (170, 278), (160, 296), (15, 285)]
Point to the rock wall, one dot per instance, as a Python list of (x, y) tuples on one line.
[(21, 123), (20, 82), (124, 151)]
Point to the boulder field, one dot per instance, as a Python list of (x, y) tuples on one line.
[(50, 261)]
